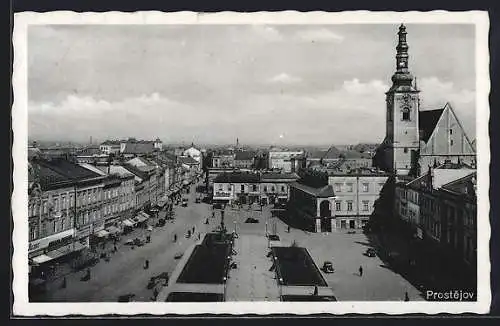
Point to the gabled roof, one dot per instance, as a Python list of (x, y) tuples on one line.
[(316, 154), (427, 121), (322, 192), (245, 155)]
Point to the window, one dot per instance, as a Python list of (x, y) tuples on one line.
[(272, 189), (365, 205), (349, 206), (54, 226), (254, 187), (282, 188), (265, 188), (451, 131), (338, 206), (451, 142), (242, 188), (365, 187), (337, 187), (33, 233), (405, 150), (349, 187), (62, 225), (406, 114), (220, 187)]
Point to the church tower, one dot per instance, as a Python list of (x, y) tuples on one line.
[(402, 132)]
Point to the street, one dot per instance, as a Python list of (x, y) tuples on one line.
[(125, 273)]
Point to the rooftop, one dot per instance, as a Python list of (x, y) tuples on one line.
[(279, 176), (237, 177), (139, 147), (322, 192), (245, 155), (427, 121)]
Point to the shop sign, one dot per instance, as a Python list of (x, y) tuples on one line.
[(222, 194), (45, 242)]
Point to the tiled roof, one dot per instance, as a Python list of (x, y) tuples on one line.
[(93, 168), (322, 192), (68, 169), (315, 154), (237, 177), (245, 155), (139, 148), (427, 121)]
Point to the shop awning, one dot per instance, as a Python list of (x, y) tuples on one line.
[(63, 251), (140, 218), (128, 222), (102, 233), (113, 230), (41, 259)]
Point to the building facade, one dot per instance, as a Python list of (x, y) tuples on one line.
[(355, 194), (281, 160)]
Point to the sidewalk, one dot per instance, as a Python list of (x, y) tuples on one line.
[(252, 280)]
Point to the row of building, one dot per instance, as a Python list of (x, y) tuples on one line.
[(71, 204)]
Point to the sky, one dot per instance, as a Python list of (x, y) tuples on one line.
[(263, 84)]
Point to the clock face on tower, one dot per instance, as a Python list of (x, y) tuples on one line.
[(406, 99)]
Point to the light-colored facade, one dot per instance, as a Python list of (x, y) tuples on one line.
[(448, 141), (281, 160), (355, 195), (110, 147)]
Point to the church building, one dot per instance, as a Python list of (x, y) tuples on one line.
[(417, 138)]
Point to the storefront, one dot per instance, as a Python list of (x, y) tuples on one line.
[(222, 197), (52, 248)]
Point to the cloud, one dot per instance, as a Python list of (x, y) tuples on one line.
[(285, 78), (319, 35), (436, 93)]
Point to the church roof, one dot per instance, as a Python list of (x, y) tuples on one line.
[(427, 121)]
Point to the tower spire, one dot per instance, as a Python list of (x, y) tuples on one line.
[(402, 76)]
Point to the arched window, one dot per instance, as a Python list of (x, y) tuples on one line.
[(406, 114)]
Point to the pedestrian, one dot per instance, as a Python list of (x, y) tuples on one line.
[(193, 230), (360, 271), (114, 248), (175, 237), (288, 229), (199, 236), (146, 264), (407, 298), (64, 283), (315, 290)]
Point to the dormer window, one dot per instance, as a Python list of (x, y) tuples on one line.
[(406, 114)]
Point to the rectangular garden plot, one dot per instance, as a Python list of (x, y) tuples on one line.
[(208, 264), (295, 267)]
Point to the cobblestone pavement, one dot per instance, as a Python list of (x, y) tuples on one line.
[(125, 273)]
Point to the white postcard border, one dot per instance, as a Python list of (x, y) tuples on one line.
[(21, 305)]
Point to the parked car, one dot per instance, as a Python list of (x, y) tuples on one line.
[(328, 267), (184, 202), (178, 255), (370, 252), (198, 200)]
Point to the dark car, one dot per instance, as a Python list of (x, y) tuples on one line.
[(327, 267), (370, 252), (198, 200)]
